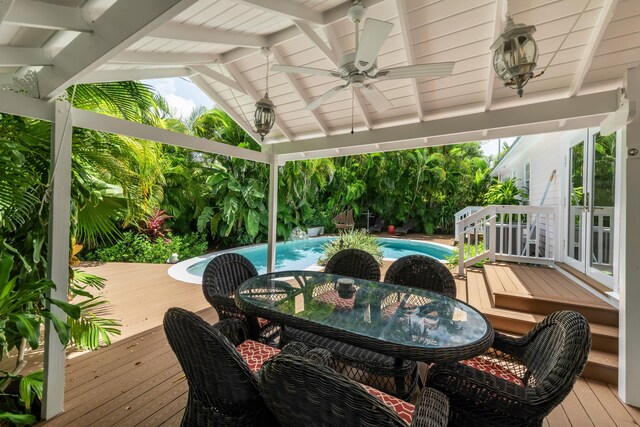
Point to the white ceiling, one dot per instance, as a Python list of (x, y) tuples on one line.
[(586, 44)]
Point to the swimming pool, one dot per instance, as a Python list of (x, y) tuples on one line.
[(303, 254)]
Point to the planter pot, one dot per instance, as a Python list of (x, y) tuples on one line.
[(391, 229), (315, 231)]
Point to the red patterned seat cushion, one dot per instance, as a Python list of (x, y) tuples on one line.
[(263, 322), (332, 297), (486, 365), (256, 353), (402, 408)]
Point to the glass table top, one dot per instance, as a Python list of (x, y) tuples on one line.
[(386, 313)]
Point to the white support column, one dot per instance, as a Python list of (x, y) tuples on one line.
[(58, 256), (629, 347), (273, 214)]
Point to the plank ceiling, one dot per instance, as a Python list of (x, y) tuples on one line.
[(585, 47)]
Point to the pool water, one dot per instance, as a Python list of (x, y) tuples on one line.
[(301, 254)]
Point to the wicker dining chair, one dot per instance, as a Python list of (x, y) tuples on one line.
[(304, 391), (354, 263), (391, 375), (518, 381), (421, 271), (223, 387), (222, 277)]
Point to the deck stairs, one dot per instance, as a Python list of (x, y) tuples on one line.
[(515, 297)]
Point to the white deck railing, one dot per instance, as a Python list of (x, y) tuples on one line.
[(462, 214), (508, 233)]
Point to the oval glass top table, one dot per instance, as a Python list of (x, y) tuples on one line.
[(398, 321)]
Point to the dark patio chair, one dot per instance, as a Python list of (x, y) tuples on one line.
[(406, 227), (392, 376), (378, 225), (424, 272), (303, 392), (354, 263), (222, 277), (519, 381), (223, 388)]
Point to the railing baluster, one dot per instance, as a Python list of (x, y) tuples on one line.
[(537, 222), (519, 236), (510, 235)]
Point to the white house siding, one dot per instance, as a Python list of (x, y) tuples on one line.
[(545, 153)]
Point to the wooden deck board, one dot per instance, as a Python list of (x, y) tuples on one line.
[(138, 381)]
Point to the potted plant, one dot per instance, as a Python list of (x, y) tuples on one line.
[(315, 224)]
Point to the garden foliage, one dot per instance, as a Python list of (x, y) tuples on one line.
[(356, 239)]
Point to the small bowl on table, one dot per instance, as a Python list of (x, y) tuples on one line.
[(345, 287)]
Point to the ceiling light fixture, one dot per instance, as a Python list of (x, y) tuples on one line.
[(515, 54), (265, 114)]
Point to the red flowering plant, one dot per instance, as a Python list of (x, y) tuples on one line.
[(154, 225)]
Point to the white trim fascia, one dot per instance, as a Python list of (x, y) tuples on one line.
[(102, 76), (510, 121), (103, 123)]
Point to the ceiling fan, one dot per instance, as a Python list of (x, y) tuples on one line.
[(355, 68)]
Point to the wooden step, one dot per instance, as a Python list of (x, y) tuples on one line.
[(583, 277), (603, 359), (602, 366), (543, 290)]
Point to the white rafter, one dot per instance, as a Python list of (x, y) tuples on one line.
[(311, 34), (405, 30), (163, 58), (221, 78), (499, 23), (36, 14), (120, 26), (207, 35), (23, 56), (300, 91), (287, 8), (102, 76), (359, 99), (249, 90), (608, 9), (220, 102)]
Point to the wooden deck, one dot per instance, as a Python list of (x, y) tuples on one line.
[(138, 381)]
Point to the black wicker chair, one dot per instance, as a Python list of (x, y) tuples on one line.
[(531, 375), (421, 271), (300, 391), (354, 263), (393, 376), (406, 227), (378, 225), (223, 391), (222, 277)]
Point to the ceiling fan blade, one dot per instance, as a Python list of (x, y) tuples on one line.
[(439, 69), (374, 34), (376, 98), (305, 70), (319, 100)]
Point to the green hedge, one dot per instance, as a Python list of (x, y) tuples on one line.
[(135, 247)]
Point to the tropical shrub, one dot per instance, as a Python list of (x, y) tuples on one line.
[(505, 193), (134, 247), (356, 239)]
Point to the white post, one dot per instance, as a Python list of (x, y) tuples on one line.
[(58, 256), (629, 347), (273, 213)]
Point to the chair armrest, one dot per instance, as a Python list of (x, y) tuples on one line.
[(513, 346), (432, 409), (235, 330), (296, 348), (472, 391)]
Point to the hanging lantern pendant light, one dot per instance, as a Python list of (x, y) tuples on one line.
[(265, 113), (515, 55)]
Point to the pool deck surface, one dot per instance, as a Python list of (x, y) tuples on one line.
[(137, 381)]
